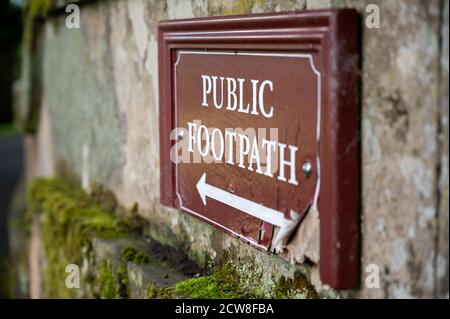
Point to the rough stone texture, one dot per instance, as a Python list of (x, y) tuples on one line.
[(164, 266), (143, 276), (399, 140), (82, 97), (100, 85), (442, 239)]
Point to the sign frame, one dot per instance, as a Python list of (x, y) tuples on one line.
[(334, 36)]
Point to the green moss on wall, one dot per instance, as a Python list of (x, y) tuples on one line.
[(294, 288), (152, 291), (69, 219), (39, 7), (236, 7), (224, 282), (106, 281), (239, 7), (129, 253), (233, 280), (141, 258), (165, 292), (123, 289), (205, 288)]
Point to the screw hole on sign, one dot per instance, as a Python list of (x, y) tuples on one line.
[(307, 168)]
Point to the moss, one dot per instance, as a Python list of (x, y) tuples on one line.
[(123, 282), (152, 291), (129, 253), (104, 197), (294, 288), (135, 208), (224, 282), (39, 7), (106, 281), (205, 288), (116, 284), (234, 7), (166, 292), (64, 205), (141, 258), (232, 280), (69, 218)]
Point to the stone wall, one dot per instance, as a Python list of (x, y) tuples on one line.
[(99, 122)]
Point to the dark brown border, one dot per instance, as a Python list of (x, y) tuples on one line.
[(334, 35)]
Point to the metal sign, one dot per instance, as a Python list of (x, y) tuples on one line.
[(247, 132), (258, 123)]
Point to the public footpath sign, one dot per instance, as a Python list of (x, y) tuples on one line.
[(259, 126)]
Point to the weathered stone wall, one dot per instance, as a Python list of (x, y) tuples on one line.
[(99, 121)]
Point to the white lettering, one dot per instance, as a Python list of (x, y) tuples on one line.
[(206, 89), (290, 163)]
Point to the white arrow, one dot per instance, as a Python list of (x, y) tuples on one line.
[(264, 213)]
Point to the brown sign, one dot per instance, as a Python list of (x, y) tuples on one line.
[(259, 125), (247, 132)]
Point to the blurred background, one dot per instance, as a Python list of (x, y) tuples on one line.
[(11, 141), (86, 110)]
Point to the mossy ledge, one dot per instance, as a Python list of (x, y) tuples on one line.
[(230, 280), (226, 281), (70, 221)]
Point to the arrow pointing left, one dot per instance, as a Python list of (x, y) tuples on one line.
[(262, 212)]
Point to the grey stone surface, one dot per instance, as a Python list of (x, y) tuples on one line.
[(442, 239), (163, 267), (79, 89), (399, 140), (142, 277), (111, 249), (100, 84)]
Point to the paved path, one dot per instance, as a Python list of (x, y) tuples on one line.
[(11, 163)]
